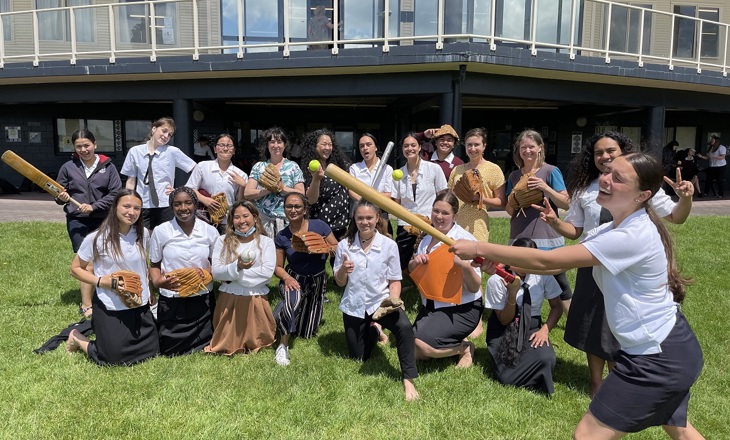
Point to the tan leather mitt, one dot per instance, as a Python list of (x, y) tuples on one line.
[(413, 230), (522, 197), (191, 280), (271, 179), (128, 286), (388, 306), (469, 185), (311, 243), (217, 215)]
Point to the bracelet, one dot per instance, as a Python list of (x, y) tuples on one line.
[(511, 304), (83, 310), (98, 282)]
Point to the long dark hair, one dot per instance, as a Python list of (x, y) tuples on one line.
[(583, 168), (381, 227), (309, 151), (82, 133), (107, 237), (651, 176), (230, 240), (277, 133)]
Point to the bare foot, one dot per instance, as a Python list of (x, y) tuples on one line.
[(466, 359), (72, 345), (382, 337), (410, 389), (477, 331)]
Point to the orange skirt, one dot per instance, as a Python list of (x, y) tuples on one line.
[(241, 324)]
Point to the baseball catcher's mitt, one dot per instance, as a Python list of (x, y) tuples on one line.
[(191, 280), (311, 243), (413, 230), (468, 185), (523, 197), (217, 215), (128, 286), (271, 179), (388, 306)]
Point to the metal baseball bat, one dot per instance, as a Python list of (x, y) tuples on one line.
[(383, 162), (35, 175)]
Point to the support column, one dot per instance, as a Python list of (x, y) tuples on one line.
[(652, 131), (182, 113), (446, 108)]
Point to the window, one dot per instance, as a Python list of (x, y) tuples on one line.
[(626, 29), (134, 23), (55, 25), (687, 34), (135, 133), (260, 22), (103, 132), (7, 23)]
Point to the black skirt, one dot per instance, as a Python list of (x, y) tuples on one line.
[(586, 327), (651, 390), (534, 370), (123, 337), (448, 326), (185, 324)]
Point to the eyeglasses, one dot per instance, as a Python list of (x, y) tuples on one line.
[(225, 146), (294, 207)]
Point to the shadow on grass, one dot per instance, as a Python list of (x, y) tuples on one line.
[(333, 344), (573, 375), (71, 297)]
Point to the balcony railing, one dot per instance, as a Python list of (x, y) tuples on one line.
[(597, 28)]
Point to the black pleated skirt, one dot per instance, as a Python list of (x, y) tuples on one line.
[(185, 324)]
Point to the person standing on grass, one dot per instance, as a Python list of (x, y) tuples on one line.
[(150, 168), (715, 181), (634, 266), (303, 279), (92, 180), (367, 265), (586, 327), (125, 334), (185, 323)]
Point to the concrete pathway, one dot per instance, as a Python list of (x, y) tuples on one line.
[(34, 206)]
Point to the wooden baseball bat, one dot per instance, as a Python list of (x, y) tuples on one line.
[(35, 175), (371, 195)]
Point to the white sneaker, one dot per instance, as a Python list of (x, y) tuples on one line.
[(282, 355)]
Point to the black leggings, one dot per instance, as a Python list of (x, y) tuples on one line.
[(361, 337), (715, 181)]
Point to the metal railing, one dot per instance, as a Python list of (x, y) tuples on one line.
[(591, 25)]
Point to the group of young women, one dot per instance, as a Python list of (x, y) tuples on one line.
[(656, 361)]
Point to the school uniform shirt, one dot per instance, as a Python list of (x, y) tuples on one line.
[(367, 285), (176, 250), (585, 212), (542, 287), (167, 158), (447, 165), (640, 308), (384, 183), (209, 177), (245, 282), (130, 259), (96, 185), (272, 205), (430, 182), (456, 232)]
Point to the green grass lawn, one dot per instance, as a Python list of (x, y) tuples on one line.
[(322, 394)]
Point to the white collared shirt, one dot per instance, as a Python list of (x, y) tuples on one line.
[(431, 181), (717, 159), (585, 212), (89, 170), (384, 183), (130, 259), (209, 176), (449, 158), (542, 287), (245, 282), (367, 285), (456, 232), (640, 308), (176, 250), (167, 158)]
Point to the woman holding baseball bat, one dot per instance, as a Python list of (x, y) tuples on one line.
[(211, 177), (365, 169), (416, 192), (92, 180), (287, 177), (125, 330), (367, 265), (441, 328), (634, 266), (185, 322), (586, 327), (303, 279), (243, 260)]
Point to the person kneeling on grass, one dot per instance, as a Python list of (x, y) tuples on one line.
[(517, 339), (368, 266)]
